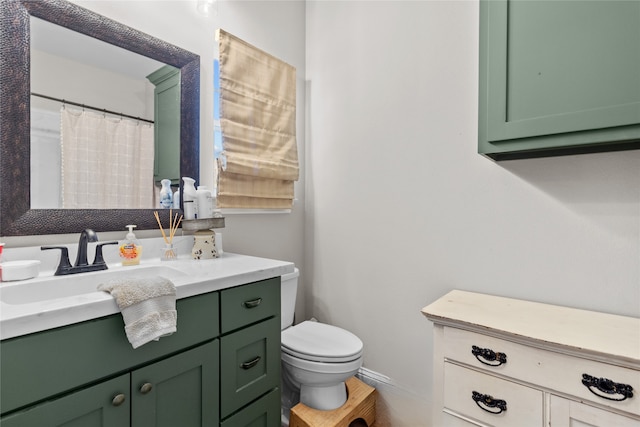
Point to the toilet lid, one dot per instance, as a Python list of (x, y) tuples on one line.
[(319, 342)]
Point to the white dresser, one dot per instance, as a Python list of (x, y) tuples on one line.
[(505, 362)]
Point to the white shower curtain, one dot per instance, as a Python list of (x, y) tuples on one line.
[(107, 162)]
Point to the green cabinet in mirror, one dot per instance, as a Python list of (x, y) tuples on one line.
[(558, 77), (166, 98)]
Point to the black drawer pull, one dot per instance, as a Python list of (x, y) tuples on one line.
[(250, 364), (605, 385), (484, 401), (488, 356), (253, 303)]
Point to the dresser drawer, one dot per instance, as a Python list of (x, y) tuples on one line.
[(249, 364), (244, 305), (556, 371), (490, 400)]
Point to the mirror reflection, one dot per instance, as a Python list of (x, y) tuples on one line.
[(93, 108)]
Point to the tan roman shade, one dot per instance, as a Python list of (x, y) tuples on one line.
[(259, 161)]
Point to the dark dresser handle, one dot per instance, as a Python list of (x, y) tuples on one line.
[(605, 385), (486, 355), (251, 363), (484, 401), (253, 303)]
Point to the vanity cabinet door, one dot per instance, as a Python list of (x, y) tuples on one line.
[(104, 405), (569, 413), (179, 391), (558, 77)]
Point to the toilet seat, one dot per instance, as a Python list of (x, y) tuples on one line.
[(319, 342)]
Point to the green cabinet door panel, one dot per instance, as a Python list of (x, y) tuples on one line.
[(264, 412), (52, 362), (90, 407), (249, 364), (166, 123), (179, 391), (558, 77)]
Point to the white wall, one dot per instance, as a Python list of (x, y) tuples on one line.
[(401, 209), (274, 26)]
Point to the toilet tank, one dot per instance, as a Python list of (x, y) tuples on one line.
[(288, 292)]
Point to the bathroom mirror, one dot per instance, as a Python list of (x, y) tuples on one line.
[(16, 216), (84, 78)]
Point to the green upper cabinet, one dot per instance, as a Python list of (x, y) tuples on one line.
[(558, 77), (166, 123)]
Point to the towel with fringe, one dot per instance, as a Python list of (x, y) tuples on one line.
[(148, 307)]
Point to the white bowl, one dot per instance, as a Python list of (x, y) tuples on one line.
[(19, 270)]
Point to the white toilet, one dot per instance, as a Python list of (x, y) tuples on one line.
[(316, 358)]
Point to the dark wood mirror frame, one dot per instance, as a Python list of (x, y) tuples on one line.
[(16, 216)]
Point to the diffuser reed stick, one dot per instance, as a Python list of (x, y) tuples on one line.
[(174, 222)]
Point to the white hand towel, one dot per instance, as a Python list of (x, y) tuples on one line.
[(148, 307)]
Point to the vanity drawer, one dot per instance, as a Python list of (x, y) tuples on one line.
[(263, 412), (559, 372), (244, 305), (489, 399), (249, 364)]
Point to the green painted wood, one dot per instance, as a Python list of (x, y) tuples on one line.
[(167, 123), (90, 407), (265, 412), (244, 305), (558, 77), (37, 366), (240, 385), (184, 390)]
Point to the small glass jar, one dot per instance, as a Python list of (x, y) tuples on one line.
[(168, 253)]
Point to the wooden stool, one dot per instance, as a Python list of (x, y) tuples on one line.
[(361, 403)]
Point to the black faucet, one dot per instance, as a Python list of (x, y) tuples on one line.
[(81, 266)]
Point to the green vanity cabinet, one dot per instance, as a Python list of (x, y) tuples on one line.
[(166, 97), (87, 374), (178, 391), (558, 77)]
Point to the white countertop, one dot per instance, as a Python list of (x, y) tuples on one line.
[(194, 277)]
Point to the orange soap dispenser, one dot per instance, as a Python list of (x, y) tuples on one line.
[(130, 249)]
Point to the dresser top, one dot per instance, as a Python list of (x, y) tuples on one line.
[(544, 325)]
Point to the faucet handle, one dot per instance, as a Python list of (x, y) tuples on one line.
[(99, 259), (64, 266)]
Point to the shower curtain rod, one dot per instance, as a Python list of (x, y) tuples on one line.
[(64, 101)]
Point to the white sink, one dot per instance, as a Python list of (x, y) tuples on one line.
[(72, 285)]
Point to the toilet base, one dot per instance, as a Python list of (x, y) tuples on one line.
[(323, 398), (360, 404)]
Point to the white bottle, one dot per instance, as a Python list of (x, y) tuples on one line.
[(205, 202), (176, 199), (166, 196), (189, 195)]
